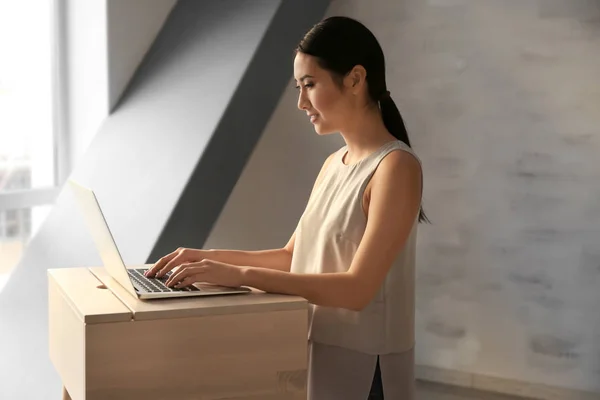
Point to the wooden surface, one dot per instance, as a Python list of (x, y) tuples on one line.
[(212, 357), (238, 347), (254, 302), (66, 335), (91, 303)]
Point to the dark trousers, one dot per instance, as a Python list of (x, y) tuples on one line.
[(377, 385)]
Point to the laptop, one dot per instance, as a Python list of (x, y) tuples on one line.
[(133, 279)]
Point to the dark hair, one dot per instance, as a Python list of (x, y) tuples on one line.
[(341, 43)]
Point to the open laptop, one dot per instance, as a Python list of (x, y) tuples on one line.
[(133, 279)]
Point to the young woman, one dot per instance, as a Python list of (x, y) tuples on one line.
[(352, 255)]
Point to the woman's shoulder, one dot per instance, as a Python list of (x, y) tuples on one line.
[(399, 151)]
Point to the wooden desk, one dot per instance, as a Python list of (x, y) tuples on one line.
[(106, 344)]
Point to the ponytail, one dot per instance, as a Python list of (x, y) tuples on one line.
[(395, 125), (392, 119)]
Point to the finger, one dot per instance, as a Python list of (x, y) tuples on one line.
[(184, 271), (186, 282), (177, 280), (177, 274), (161, 263), (176, 261)]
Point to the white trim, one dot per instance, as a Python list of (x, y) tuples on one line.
[(17, 199), (3, 279), (60, 93)]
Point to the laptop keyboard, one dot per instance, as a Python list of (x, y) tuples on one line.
[(154, 285)]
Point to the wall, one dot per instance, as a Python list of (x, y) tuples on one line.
[(132, 27), (106, 41), (501, 99)]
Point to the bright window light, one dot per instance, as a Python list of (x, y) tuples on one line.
[(26, 123)]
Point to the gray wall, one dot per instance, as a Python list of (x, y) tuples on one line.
[(503, 104), (105, 42), (132, 26)]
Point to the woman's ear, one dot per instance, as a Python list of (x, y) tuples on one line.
[(356, 79)]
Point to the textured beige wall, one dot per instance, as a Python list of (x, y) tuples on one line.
[(502, 100)]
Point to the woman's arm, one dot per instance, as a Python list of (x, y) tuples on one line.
[(393, 209), (276, 259)]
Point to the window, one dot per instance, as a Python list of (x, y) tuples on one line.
[(30, 138)]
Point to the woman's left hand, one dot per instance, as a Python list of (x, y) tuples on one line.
[(207, 271)]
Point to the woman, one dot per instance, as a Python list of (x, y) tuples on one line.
[(352, 255)]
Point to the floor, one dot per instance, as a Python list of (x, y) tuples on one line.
[(434, 391)]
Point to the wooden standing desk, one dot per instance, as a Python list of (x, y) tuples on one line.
[(106, 344)]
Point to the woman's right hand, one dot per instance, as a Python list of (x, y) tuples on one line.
[(175, 259)]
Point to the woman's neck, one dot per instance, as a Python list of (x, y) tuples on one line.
[(365, 135)]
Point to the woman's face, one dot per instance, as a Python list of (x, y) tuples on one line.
[(326, 104)]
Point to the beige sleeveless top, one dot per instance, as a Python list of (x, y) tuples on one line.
[(327, 238)]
